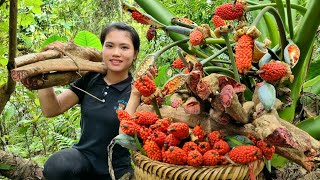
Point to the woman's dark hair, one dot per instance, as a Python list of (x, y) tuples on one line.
[(124, 27)]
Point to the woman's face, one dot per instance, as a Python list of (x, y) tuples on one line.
[(118, 51)]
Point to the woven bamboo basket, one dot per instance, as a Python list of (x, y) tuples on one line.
[(145, 169)]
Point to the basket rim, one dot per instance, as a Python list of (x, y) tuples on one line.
[(147, 166)]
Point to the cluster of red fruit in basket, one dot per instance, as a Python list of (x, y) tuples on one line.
[(170, 142)]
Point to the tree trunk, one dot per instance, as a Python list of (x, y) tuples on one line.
[(16, 168), (7, 89)]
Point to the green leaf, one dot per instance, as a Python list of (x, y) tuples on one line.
[(311, 126), (273, 34), (162, 77), (88, 39), (36, 10), (23, 130), (126, 141), (54, 38), (3, 61), (313, 70), (4, 26), (37, 101), (24, 123), (138, 144), (33, 2), (237, 140), (9, 112), (30, 94), (268, 165), (25, 19), (278, 161), (311, 82), (27, 41), (5, 166)]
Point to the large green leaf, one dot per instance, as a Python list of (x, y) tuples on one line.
[(54, 38), (25, 19), (33, 2), (311, 126), (278, 161), (312, 85), (313, 70), (88, 39), (237, 140)]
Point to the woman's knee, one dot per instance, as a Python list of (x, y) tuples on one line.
[(55, 166), (63, 164)]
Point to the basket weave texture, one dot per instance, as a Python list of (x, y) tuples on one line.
[(147, 169)]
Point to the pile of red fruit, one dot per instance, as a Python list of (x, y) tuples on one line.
[(176, 143)]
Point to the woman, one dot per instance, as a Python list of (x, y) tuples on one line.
[(100, 96)]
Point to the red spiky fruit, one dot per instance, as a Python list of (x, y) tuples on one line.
[(211, 158), (204, 147), (151, 33), (195, 158), (252, 138), (221, 146), (198, 132), (130, 128), (178, 64), (245, 154), (152, 150), (145, 118), (145, 133), (217, 21), (123, 115), (179, 130), (244, 50), (196, 37), (213, 137), (161, 125), (275, 71), (171, 140), (136, 15), (175, 155), (267, 149), (230, 11), (190, 146), (158, 137), (145, 85)]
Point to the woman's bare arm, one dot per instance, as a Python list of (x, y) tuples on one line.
[(53, 105)]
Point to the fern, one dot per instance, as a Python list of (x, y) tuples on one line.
[(62, 141)]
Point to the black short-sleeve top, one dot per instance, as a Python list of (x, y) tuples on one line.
[(99, 121)]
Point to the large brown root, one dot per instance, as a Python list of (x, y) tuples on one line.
[(62, 64), (51, 79), (64, 49), (35, 57)]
